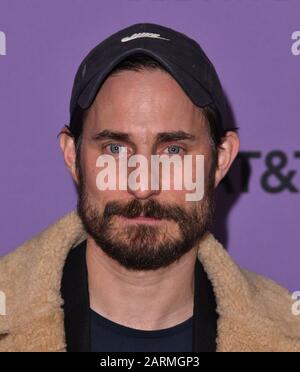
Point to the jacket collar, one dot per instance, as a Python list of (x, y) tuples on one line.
[(254, 313)]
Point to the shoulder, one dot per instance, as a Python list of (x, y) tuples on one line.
[(36, 261), (259, 310), (274, 301)]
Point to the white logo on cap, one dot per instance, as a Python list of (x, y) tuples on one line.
[(142, 35)]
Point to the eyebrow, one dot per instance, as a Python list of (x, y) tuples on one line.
[(112, 135), (174, 136), (161, 137)]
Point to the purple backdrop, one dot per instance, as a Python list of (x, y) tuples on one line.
[(250, 43)]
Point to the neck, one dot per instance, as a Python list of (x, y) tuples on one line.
[(148, 300)]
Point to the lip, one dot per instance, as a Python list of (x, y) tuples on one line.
[(143, 220)]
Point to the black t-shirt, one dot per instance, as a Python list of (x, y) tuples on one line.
[(108, 336)]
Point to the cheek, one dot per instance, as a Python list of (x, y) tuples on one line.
[(175, 197), (89, 170), (90, 173), (207, 167), (196, 171)]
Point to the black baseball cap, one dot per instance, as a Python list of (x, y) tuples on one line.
[(180, 55)]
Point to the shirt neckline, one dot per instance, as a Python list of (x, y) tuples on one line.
[(139, 333)]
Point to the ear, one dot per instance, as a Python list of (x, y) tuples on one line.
[(227, 152), (67, 145)]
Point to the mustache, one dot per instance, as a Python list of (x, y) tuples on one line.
[(151, 208)]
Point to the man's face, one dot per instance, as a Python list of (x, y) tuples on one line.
[(146, 113)]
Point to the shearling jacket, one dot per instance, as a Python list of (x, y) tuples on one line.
[(254, 313)]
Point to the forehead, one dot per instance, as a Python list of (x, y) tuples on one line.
[(143, 101)]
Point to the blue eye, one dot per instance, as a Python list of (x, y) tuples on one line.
[(173, 150), (116, 149)]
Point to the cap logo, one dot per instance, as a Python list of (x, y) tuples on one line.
[(142, 35)]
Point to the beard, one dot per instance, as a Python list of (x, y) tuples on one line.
[(140, 246)]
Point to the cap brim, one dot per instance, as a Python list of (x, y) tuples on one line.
[(194, 90)]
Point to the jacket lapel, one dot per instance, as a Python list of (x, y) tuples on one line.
[(75, 293), (205, 313)]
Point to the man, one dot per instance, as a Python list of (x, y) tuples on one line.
[(136, 268)]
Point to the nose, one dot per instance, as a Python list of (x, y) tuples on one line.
[(141, 183), (143, 194)]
